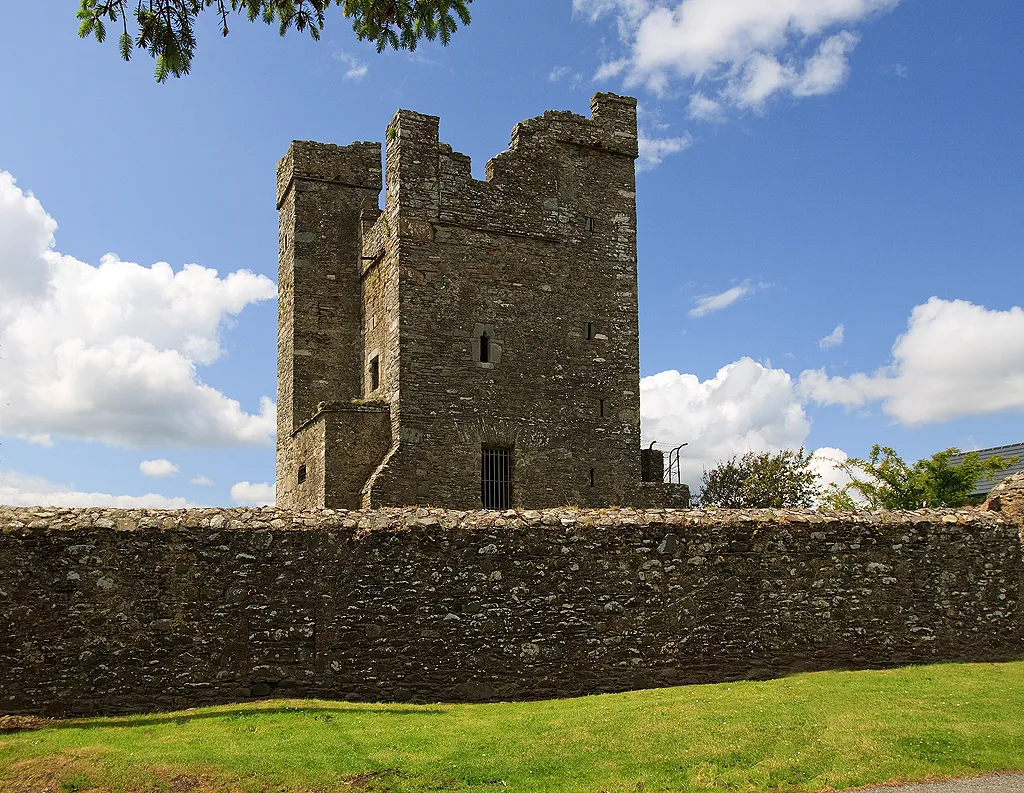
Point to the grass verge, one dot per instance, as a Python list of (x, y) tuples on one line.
[(820, 731)]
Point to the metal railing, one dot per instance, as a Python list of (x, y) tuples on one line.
[(673, 470)]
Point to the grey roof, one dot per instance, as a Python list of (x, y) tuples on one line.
[(1006, 452)]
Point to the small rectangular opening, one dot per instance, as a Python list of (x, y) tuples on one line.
[(591, 478), (375, 373), (588, 224), (485, 348), (495, 477), (590, 331), (600, 407), (302, 473)]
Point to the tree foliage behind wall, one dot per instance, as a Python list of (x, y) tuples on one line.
[(885, 481), (761, 480), (882, 481)]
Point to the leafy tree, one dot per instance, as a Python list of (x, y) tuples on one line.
[(885, 481), (761, 479), (166, 28)]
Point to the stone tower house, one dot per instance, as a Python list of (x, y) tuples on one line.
[(475, 343)]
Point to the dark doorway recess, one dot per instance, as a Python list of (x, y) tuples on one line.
[(496, 477)]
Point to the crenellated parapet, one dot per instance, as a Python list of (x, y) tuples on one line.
[(356, 165), (611, 127), (495, 319), (528, 188)]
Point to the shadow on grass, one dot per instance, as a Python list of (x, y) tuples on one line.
[(11, 724)]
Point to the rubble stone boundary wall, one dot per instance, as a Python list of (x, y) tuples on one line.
[(106, 611)]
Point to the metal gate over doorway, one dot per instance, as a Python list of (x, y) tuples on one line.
[(496, 477)]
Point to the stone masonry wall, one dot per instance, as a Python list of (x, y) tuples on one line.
[(536, 263), (542, 257), (322, 191), (106, 610)]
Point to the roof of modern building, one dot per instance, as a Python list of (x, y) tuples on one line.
[(1006, 452)]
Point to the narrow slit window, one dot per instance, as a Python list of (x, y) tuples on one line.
[(485, 348), (375, 373), (600, 408), (588, 224), (591, 478), (590, 331), (495, 477), (302, 473)]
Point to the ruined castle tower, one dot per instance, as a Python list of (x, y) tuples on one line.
[(475, 343)]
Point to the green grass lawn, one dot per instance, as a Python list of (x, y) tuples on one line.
[(819, 731)]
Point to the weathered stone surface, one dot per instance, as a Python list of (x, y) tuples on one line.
[(105, 610), (1008, 498), (391, 307)]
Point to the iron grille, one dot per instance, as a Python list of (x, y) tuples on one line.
[(496, 478)]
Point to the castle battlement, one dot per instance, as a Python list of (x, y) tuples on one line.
[(494, 322), (356, 165), (612, 127)]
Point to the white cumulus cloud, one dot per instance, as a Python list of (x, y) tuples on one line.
[(955, 359), (761, 76), (26, 236), (560, 73), (21, 490), (200, 479), (110, 352), (704, 108), (828, 68), (743, 51), (654, 150), (158, 468), (834, 339), (745, 407), (827, 463), (611, 69), (355, 69), (709, 304), (253, 494)]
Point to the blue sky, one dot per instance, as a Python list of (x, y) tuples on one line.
[(831, 224)]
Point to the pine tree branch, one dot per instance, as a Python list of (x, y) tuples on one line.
[(166, 28)]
